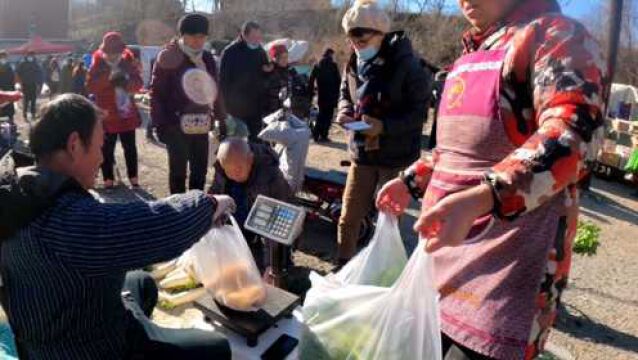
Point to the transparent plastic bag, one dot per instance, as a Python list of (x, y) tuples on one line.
[(375, 323), (225, 266), (382, 261)]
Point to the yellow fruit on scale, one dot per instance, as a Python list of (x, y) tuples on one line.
[(239, 287), (232, 277), (244, 299)]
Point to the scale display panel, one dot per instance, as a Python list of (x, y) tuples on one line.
[(275, 220)]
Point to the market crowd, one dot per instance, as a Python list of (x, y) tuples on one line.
[(519, 110)]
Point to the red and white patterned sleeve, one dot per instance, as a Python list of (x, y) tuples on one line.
[(566, 75)]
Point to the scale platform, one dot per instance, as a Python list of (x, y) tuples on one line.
[(279, 304)]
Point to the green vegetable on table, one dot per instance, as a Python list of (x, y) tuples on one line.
[(166, 305)]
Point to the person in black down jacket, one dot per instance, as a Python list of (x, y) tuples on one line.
[(30, 77), (386, 86), (242, 72), (279, 78), (7, 83), (327, 79)]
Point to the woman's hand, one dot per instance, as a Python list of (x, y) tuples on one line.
[(376, 126), (394, 197), (449, 221), (343, 119)]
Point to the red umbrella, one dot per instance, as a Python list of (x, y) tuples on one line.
[(39, 46)]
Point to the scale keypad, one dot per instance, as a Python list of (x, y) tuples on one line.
[(277, 220)]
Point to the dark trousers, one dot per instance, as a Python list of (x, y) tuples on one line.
[(127, 139), (185, 150), (255, 124), (55, 89), (30, 96), (149, 341), (455, 351), (324, 120)]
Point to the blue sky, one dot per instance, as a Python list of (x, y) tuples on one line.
[(582, 8), (575, 8)]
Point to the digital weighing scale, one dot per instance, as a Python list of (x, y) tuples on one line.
[(281, 223), (276, 220)]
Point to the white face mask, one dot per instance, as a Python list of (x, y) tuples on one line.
[(189, 50)]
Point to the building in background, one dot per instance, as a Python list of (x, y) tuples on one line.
[(19, 19)]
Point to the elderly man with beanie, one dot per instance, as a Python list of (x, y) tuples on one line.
[(185, 102), (113, 79), (385, 86), (325, 76), (244, 64)]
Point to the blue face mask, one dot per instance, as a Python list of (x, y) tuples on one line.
[(367, 53)]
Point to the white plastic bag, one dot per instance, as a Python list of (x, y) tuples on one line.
[(225, 266), (375, 323), (292, 137), (382, 261), (46, 90)]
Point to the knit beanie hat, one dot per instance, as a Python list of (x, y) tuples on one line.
[(112, 43), (193, 24), (366, 14)]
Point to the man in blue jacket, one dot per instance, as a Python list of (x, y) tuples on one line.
[(66, 258)]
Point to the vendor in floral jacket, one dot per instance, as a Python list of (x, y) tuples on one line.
[(500, 205), (184, 102), (113, 79)]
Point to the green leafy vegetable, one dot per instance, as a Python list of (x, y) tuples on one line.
[(587, 238), (166, 305), (192, 284)]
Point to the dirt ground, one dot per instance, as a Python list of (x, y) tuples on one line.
[(599, 319)]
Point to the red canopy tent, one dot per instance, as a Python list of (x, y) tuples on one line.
[(39, 46)]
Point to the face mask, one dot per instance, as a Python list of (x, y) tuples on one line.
[(3, 61), (367, 53), (253, 46), (189, 50), (29, 58)]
